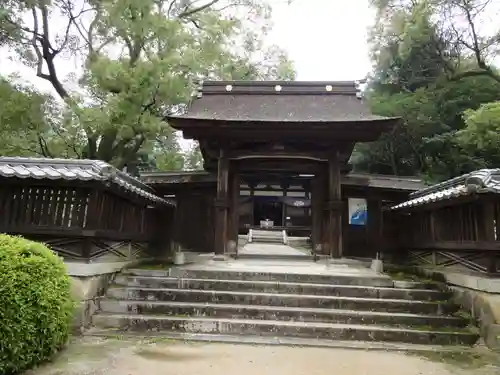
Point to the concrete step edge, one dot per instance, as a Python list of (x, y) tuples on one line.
[(286, 341), (346, 312), (167, 272), (282, 323), (239, 272), (281, 295), (280, 283)]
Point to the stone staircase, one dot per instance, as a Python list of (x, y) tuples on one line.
[(315, 308), (267, 236)]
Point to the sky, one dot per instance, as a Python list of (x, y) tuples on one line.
[(326, 39)]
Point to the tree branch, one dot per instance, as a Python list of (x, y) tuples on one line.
[(44, 148), (190, 12), (34, 44), (49, 55), (476, 73), (71, 21), (475, 40)]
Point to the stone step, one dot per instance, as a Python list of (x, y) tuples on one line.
[(288, 300), (281, 287), (263, 232), (323, 278), (300, 257), (283, 341), (196, 309), (266, 234), (330, 331), (416, 284), (267, 240)]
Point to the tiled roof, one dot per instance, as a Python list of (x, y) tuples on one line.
[(177, 177), (383, 181), (477, 182), (73, 169), (280, 101)]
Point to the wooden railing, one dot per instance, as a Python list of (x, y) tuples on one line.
[(457, 232), (80, 221)]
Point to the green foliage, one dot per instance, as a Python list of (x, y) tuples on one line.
[(36, 306), (483, 131), (22, 119), (141, 61), (194, 158), (430, 75)]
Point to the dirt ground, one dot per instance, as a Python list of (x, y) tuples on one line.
[(96, 356)]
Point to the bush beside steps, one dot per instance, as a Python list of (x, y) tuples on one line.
[(35, 304)]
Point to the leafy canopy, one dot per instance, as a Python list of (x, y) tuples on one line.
[(140, 61), (432, 67)]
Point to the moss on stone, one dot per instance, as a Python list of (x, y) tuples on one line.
[(471, 359), (154, 265), (412, 273)]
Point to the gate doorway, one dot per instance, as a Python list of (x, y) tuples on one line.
[(268, 208)]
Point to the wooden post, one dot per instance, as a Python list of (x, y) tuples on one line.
[(345, 225), (317, 198), (93, 220), (374, 207), (487, 232), (252, 185), (234, 192), (221, 204), (334, 207), (284, 185)]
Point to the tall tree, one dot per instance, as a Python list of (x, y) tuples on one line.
[(140, 59), (482, 133), (26, 120), (425, 72), (467, 28)]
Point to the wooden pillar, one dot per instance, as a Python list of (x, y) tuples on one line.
[(95, 208), (221, 204), (345, 227), (486, 210), (252, 202), (374, 207), (334, 207), (317, 203), (234, 210), (284, 185)]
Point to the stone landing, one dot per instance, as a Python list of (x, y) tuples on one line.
[(290, 299)]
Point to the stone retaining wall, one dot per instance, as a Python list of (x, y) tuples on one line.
[(89, 281), (478, 294)]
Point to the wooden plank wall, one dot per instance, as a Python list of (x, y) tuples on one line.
[(72, 217), (463, 235), (194, 220)]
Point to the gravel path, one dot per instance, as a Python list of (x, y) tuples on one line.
[(93, 356)]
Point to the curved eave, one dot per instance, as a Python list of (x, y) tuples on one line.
[(356, 129), (206, 120)]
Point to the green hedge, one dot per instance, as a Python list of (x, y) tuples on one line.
[(36, 307)]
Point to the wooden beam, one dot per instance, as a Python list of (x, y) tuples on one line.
[(457, 246), (334, 206), (450, 202), (234, 194), (486, 223), (75, 233), (374, 207), (317, 202), (221, 204)]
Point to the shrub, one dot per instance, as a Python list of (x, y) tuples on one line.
[(35, 304)]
